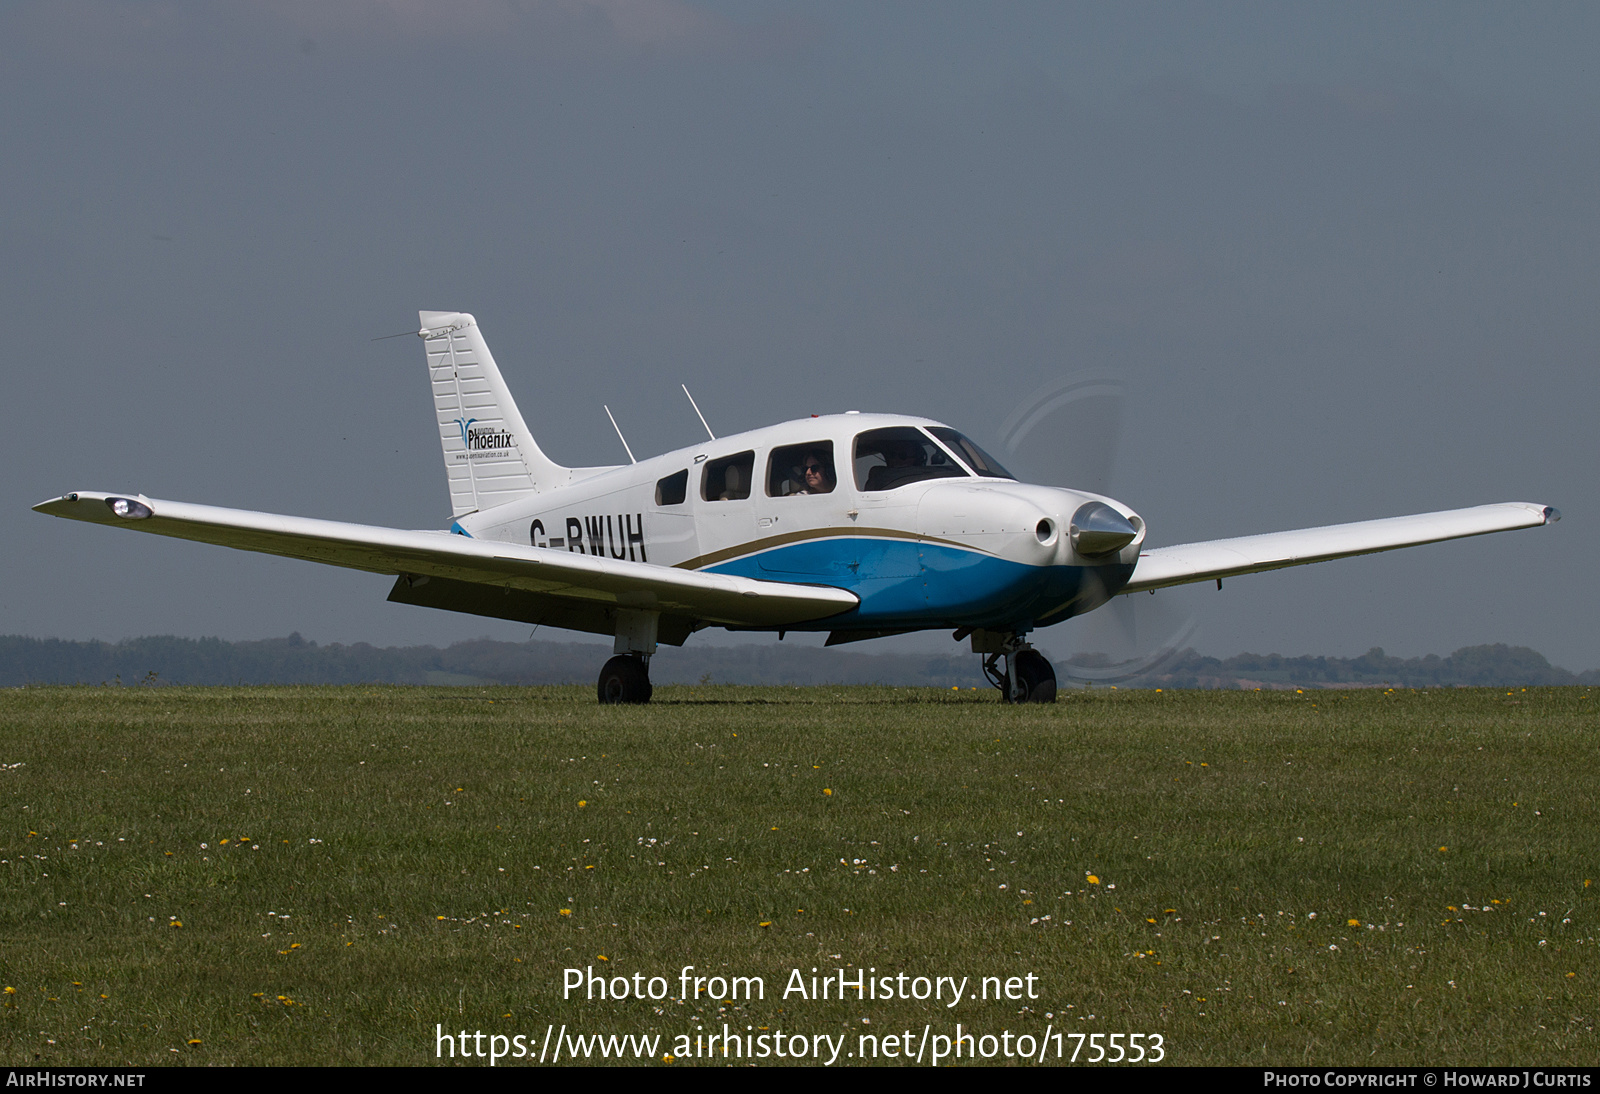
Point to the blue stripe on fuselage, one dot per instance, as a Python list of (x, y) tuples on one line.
[(906, 583)]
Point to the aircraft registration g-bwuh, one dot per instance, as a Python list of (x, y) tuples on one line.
[(860, 525)]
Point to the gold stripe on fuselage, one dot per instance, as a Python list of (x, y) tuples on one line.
[(757, 546)]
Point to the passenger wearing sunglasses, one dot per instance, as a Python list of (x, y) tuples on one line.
[(815, 474)]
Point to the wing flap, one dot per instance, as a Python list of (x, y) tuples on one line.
[(713, 598), (1189, 562)]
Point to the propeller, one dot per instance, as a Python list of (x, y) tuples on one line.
[(1067, 433)]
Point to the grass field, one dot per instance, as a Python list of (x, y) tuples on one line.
[(1259, 877)]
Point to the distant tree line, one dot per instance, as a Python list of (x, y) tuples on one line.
[(293, 660), (1471, 666)]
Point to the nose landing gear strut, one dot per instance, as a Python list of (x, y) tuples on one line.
[(1026, 675)]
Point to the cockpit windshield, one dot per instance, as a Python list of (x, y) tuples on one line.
[(899, 456), (976, 458)]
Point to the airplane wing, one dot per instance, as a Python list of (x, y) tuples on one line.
[(1219, 558), (584, 583)]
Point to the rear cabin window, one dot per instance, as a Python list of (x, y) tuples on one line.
[(673, 489), (728, 479), (899, 456), (801, 469)]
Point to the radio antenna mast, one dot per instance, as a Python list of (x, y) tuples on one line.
[(620, 437), (696, 406)]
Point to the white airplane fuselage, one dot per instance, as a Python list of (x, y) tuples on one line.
[(959, 551)]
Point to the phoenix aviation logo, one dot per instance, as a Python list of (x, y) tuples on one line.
[(477, 440)]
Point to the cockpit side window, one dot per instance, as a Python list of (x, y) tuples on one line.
[(886, 459), (728, 479), (673, 489), (801, 469), (976, 458)]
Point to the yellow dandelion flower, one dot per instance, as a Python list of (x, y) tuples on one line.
[(177, 922), (1570, 975), (582, 804), (1443, 849), (827, 793), (566, 911), (1352, 923), (1093, 880), (195, 1041), (601, 957), (438, 917), (768, 923), (10, 990), (294, 945)]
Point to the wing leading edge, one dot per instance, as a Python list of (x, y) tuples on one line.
[(1219, 558), (579, 580)]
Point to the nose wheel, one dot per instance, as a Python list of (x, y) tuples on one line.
[(1027, 676), (625, 679)]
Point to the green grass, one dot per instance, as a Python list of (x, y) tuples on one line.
[(423, 844)]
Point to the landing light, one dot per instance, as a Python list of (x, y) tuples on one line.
[(128, 509)]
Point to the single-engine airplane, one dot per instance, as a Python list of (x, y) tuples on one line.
[(861, 525)]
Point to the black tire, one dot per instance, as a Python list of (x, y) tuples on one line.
[(625, 679), (1035, 678)]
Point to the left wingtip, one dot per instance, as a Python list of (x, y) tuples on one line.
[(54, 505)]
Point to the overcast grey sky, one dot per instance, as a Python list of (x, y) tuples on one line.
[(1343, 259)]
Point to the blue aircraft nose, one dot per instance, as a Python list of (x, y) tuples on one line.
[(1097, 529)]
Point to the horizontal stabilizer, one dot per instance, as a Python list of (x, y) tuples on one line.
[(1219, 558)]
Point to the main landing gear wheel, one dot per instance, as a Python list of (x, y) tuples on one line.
[(626, 679), (1036, 679)]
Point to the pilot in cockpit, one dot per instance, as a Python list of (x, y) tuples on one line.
[(902, 459)]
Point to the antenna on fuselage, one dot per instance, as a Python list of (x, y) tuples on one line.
[(696, 406), (620, 437)]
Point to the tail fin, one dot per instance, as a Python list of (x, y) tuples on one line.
[(490, 458)]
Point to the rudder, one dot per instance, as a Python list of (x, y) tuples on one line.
[(490, 457)]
